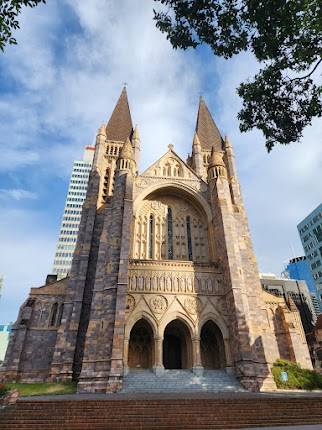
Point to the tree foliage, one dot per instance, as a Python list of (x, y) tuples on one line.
[(9, 11), (286, 38)]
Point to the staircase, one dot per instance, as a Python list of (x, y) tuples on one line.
[(179, 381), (229, 411)]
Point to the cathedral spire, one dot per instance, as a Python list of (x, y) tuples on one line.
[(197, 160), (119, 126), (206, 129), (136, 144)]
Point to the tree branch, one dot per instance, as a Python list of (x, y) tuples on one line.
[(309, 74)]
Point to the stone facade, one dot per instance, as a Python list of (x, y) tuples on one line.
[(163, 276)]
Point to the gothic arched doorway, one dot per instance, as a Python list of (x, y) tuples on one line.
[(212, 346), (141, 350), (177, 346)]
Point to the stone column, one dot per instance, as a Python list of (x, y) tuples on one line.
[(229, 365), (126, 356), (158, 354), (196, 357)]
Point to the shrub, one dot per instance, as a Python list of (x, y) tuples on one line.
[(3, 390), (298, 378)]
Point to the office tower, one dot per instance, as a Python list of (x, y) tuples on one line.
[(72, 213), (298, 268), (310, 231)]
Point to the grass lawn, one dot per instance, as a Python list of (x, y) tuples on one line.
[(43, 388)]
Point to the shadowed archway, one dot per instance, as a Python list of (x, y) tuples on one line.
[(212, 346), (141, 346), (177, 349)]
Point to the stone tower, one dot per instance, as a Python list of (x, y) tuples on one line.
[(164, 275)]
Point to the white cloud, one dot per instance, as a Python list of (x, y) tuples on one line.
[(69, 76), (280, 188), (17, 194), (27, 249)]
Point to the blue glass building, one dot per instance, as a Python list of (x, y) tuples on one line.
[(310, 231), (298, 268)]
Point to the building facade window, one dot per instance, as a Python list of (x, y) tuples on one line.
[(170, 235), (151, 233), (53, 314), (188, 223)]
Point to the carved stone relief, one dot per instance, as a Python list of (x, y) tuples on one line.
[(193, 305), (158, 304)]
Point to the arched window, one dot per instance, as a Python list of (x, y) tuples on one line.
[(60, 314), (170, 235), (53, 314), (151, 236), (188, 223), (106, 184)]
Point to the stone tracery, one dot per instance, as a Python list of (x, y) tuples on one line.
[(168, 227)]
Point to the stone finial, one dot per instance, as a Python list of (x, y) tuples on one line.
[(136, 134), (196, 145), (102, 130), (227, 144), (170, 147), (216, 166), (127, 151), (216, 158)]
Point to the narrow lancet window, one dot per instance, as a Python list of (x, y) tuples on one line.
[(53, 314), (151, 236), (170, 235), (189, 238)]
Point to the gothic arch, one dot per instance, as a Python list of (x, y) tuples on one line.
[(217, 319), (183, 189), (172, 243), (212, 346), (220, 322), (177, 345), (133, 319), (176, 315), (140, 351)]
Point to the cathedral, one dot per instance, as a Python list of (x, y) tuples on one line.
[(164, 275)]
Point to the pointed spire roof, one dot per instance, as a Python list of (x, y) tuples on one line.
[(206, 129), (119, 126)]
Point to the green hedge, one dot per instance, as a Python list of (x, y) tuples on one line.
[(298, 378)]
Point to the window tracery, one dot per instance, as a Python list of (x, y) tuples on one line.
[(170, 234), (170, 228)]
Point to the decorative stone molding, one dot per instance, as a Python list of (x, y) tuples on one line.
[(130, 303), (158, 304), (193, 305), (174, 278)]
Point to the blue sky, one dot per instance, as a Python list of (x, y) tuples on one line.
[(60, 83)]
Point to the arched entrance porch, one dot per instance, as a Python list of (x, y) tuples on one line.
[(177, 347), (141, 346), (212, 347)]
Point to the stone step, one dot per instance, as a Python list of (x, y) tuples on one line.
[(179, 381)]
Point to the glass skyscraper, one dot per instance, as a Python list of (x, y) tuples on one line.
[(72, 213), (310, 230)]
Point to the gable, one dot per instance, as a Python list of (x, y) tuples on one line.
[(170, 165)]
